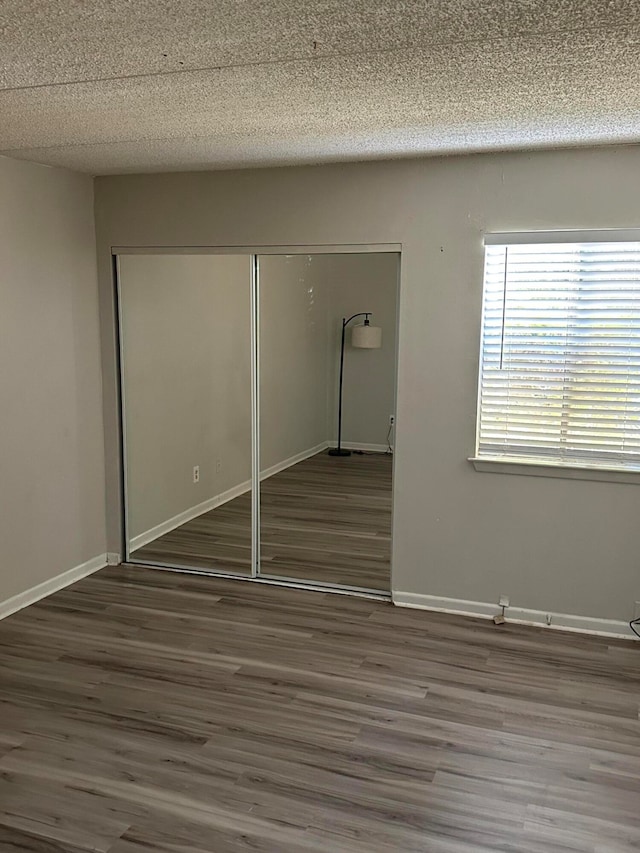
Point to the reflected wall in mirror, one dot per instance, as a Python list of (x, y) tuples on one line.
[(186, 383), (326, 519)]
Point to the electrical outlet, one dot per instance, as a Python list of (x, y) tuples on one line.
[(503, 601), (218, 465), (196, 473), (392, 420)]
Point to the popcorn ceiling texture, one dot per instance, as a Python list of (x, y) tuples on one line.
[(141, 85)]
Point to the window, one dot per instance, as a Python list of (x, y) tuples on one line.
[(560, 351)]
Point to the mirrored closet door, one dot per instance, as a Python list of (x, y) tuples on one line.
[(186, 369), (325, 512), (258, 406)]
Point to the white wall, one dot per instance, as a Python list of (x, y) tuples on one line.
[(551, 544), (52, 510), (186, 340)]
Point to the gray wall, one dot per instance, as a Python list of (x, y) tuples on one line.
[(303, 300), (186, 346), (360, 282), (294, 357), (551, 544), (52, 512)]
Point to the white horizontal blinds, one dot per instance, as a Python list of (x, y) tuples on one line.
[(560, 361)]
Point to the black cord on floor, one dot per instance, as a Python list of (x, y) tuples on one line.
[(387, 452), (633, 624)]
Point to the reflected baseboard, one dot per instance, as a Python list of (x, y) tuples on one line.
[(211, 503), (355, 445), (188, 515), (293, 460)]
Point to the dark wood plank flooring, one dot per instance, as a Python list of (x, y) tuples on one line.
[(145, 711), (325, 520)]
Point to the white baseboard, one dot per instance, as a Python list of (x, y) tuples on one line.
[(113, 559), (519, 615), (357, 445), (211, 503), (42, 590), (293, 460), (188, 515)]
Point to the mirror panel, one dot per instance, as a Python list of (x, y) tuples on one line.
[(326, 518), (185, 325)]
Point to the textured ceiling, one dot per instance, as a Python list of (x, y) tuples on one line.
[(157, 85)]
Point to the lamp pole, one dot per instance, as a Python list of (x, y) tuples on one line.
[(339, 451)]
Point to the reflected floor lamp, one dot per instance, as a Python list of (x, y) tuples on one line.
[(364, 336)]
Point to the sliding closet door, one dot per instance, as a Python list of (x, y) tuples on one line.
[(186, 356), (326, 519), (293, 411)]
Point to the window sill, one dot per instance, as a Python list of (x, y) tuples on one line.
[(529, 468)]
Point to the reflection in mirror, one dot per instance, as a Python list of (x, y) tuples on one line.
[(325, 492), (186, 381)]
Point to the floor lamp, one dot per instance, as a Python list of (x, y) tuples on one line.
[(362, 337)]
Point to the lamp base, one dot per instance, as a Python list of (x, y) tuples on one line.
[(338, 451)]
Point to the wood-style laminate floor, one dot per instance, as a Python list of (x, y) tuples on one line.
[(325, 520), (150, 712)]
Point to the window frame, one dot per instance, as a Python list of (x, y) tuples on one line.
[(545, 467)]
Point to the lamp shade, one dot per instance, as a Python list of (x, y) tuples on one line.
[(366, 337)]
